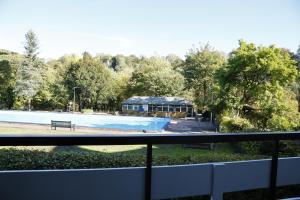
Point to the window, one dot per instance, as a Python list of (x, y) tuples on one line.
[(165, 108), (183, 108), (124, 107), (159, 108), (171, 109), (135, 107), (178, 109), (129, 107)]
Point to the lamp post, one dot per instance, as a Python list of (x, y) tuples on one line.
[(74, 98)]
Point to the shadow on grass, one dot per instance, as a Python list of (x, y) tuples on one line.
[(166, 150)]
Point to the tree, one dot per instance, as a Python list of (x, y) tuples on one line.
[(175, 61), (255, 86), (29, 74), (199, 71), (121, 86), (118, 62), (9, 61), (155, 77), (93, 81), (296, 86)]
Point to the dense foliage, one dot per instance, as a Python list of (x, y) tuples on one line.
[(155, 77), (9, 63), (256, 90), (38, 159), (252, 88), (199, 71), (92, 80)]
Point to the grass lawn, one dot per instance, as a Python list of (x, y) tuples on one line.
[(14, 129)]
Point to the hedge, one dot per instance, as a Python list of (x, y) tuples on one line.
[(16, 159)]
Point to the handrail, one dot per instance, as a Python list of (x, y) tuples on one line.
[(150, 139), (126, 139)]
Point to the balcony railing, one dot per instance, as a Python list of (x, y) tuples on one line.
[(149, 182)]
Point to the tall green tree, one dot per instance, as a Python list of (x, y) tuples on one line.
[(255, 87), (29, 74), (9, 62), (199, 71), (93, 82), (54, 92), (121, 86), (156, 77), (297, 84)]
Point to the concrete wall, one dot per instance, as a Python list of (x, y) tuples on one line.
[(128, 183)]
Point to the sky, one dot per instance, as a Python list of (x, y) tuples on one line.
[(152, 27)]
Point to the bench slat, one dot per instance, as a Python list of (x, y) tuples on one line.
[(62, 124)]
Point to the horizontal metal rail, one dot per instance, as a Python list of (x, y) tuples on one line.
[(124, 139)]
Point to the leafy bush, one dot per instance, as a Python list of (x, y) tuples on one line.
[(87, 111), (286, 122), (11, 159), (235, 124), (286, 148), (19, 104)]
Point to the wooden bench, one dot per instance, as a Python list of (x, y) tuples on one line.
[(62, 124)]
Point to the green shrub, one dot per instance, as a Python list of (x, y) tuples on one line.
[(286, 148), (11, 159), (19, 104), (87, 111), (235, 124), (283, 123)]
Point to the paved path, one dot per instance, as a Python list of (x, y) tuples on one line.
[(189, 126)]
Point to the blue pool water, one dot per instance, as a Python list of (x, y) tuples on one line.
[(94, 121)]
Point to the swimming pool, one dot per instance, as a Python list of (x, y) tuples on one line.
[(85, 120)]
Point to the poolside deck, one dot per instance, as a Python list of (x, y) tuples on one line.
[(189, 125)]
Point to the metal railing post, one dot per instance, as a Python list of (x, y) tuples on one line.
[(148, 178), (274, 167)]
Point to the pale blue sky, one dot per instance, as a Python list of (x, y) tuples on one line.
[(147, 27)]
